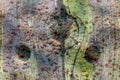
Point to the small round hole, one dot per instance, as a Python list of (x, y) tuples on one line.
[(92, 54), (23, 52)]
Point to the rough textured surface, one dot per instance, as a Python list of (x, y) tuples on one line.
[(39, 25), (46, 32), (105, 35)]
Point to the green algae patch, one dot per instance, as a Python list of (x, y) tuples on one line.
[(82, 69)]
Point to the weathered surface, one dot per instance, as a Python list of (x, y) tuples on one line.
[(1, 15), (76, 67), (40, 25), (106, 34), (34, 34)]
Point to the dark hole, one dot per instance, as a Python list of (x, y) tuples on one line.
[(92, 54), (23, 52), (62, 9), (22, 56), (23, 49)]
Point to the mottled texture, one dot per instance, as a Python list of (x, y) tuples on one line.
[(37, 33), (32, 23)]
